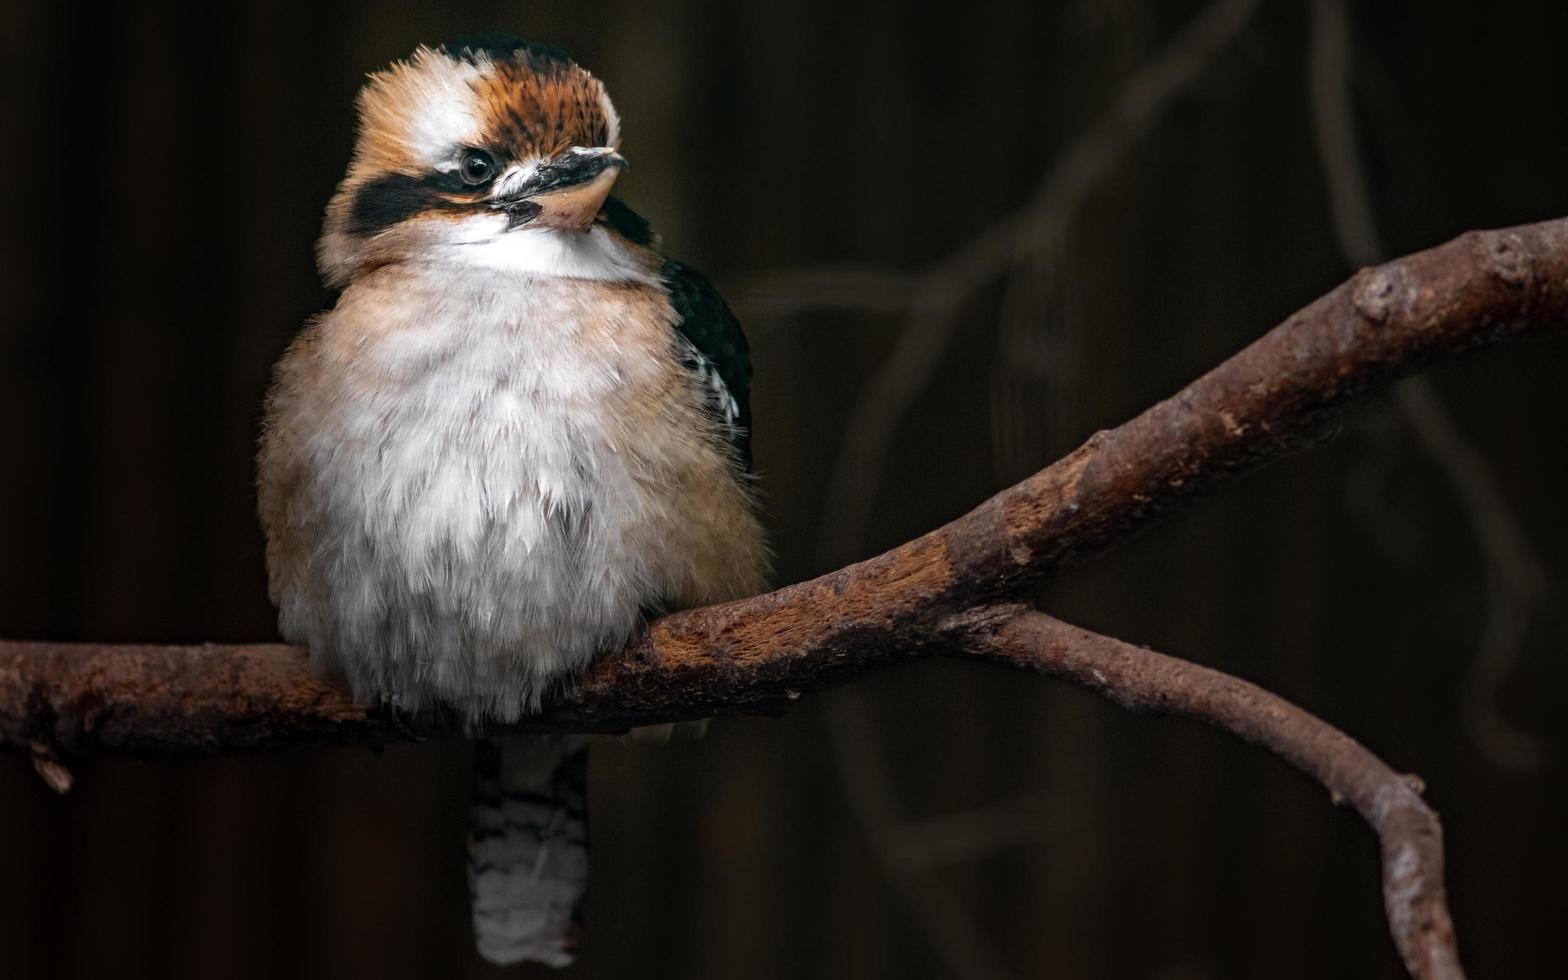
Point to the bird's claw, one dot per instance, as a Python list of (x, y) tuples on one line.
[(401, 719)]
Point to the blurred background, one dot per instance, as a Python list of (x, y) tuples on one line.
[(962, 239)]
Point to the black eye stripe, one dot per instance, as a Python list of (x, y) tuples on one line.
[(385, 201)]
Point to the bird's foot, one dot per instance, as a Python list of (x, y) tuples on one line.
[(641, 641), (400, 718)]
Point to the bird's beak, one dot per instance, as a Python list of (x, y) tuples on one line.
[(567, 193)]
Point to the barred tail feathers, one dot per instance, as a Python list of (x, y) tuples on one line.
[(528, 848)]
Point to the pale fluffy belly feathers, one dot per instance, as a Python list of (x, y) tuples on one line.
[(465, 509)]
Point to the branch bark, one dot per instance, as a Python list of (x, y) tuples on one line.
[(1145, 681), (943, 590), (756, 655)]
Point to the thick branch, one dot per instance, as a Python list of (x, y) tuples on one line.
[(1142, 680), (757, 654)]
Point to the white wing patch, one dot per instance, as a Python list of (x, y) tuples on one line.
[(718, 391)]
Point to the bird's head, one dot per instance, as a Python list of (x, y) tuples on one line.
[(466, 146)]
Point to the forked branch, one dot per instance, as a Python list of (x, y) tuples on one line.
[(1283, 392), (1145, 681)]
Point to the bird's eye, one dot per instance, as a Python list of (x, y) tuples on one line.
[(476, 167)]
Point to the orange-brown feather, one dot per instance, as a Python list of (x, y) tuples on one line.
[(533, 112)]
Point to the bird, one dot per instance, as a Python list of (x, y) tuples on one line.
[(519, 433)]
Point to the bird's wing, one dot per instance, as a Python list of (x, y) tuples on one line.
[(715, 350)]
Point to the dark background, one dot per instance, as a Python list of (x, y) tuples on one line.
[(165, 169)]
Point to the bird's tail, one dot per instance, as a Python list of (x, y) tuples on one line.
[(528, 847)]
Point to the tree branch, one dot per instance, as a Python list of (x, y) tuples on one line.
[(937, 592), (941, 292), (955, 938), (1142, 680), (758, 654)]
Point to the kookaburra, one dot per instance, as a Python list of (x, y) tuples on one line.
[(519, 431)]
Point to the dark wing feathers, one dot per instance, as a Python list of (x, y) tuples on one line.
[(716, 350)]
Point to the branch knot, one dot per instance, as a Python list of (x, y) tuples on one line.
[(1503, 253), (1378, 291)]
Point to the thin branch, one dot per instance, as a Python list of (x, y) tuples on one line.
[(1334, 127), (1516, 576), (1009, 249), (1142, 680), (957, 838), (935, 297), (936, 309), (1283, 392), (790, 292), (874, 802)]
